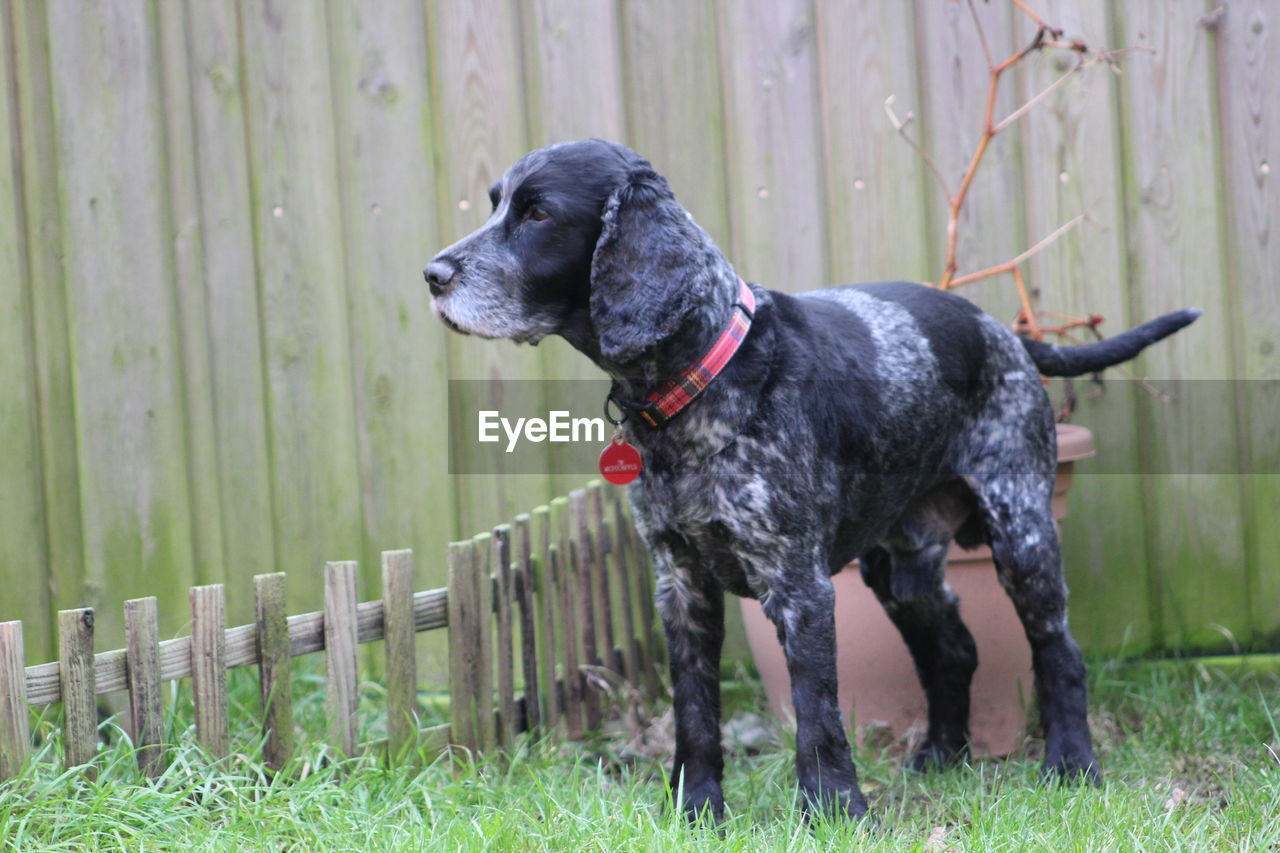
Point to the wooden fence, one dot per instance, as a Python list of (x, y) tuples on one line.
[(216, 352), (548, 617)]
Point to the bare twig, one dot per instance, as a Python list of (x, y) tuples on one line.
[(901, 127), (1012, 264)]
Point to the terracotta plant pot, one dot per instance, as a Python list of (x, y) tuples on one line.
[(873, 662)]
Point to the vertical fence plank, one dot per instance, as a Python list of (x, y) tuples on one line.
[(401, 652), (773, 145), (1175, 261), (142, 637), (274, 687), (876, 195), (129, 414), (383, 131), (500, 565), (80, 711), (42, 178), (297, 218), (560, 554), (1248, 66), (629, 597), (474, 86), (525, 584), (582, 562), (953, 76), (340, 644), (650, 629), (470, 670), (23, 543), (548, 610), (1072, 142), (209, 668), (226, 219), (606, 609), (15, 723)]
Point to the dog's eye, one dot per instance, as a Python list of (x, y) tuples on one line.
[(537, 214)]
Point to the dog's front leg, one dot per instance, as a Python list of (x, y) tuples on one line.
[(692, 608), (805, 618)]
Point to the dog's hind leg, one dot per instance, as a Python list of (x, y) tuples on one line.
[(1018, 514), (941, 647), (804, 615), (692, 607)]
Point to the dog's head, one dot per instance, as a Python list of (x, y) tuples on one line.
[(585, 240)]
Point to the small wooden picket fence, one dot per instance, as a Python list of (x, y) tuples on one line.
[(563, 593)]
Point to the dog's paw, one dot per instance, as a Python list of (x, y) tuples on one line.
[(1071, 768), (930, 757), (703, 803)]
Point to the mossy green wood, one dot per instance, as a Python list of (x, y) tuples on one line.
[(879, 196), (186, 278), (1194, 521), (298, 232), (33, 134), (773, 143), (225, 219), (22, 529), (674, 116), (386, 153), (478, 98), (573, 90), (1072, 166), (953, 97), (1248, 69), (126, 355)]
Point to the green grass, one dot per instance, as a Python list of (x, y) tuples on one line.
[(1207, 733)]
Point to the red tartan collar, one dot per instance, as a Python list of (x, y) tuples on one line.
[(666, 402)]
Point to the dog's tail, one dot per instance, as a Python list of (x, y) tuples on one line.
[(1090, 358)]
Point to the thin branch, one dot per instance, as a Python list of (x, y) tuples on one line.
[(982, 36), (1044, 93), (1009, 265), (901, 127), (1027, 310), (1057, 33)]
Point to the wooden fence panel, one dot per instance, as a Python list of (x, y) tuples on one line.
[(401, 651), (549, 614), (877, 188), (209, 668), (674, 116), (38, 168), (146, 723), (76, 675), (1073, 166), (22, 525), (384, 135), (298, 231), (1176, 261), (15, 716), (480, 98), (773, 143), (191, 300), (525, 584), (1248, 66), (470, 662), (127, 357), (274, 685), (499, 566), (340, 642), (226, 218), (953, 88)]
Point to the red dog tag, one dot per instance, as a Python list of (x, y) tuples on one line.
[(620, 462)]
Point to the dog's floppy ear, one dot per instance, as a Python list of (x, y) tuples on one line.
[(652, 266)]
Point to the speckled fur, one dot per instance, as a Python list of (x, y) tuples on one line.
[(873, 421)]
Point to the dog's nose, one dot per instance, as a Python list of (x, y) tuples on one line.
[(439, 273)]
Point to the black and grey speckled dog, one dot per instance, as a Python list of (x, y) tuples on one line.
[(875, 421)]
